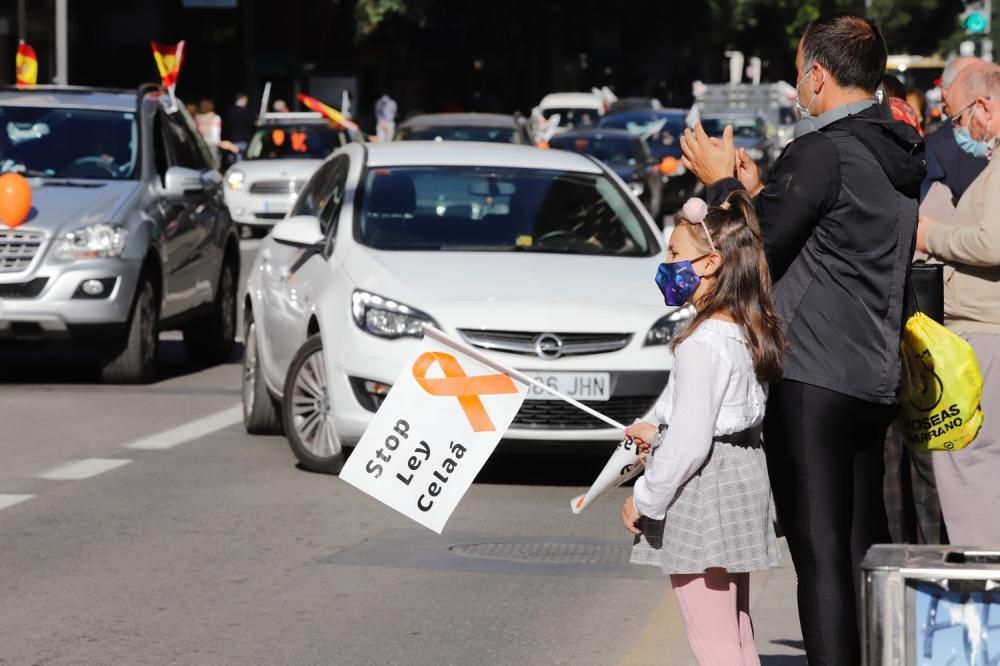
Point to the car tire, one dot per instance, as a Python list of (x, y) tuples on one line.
[(260, 410), (210, 341), (135, 362), (306, 411)]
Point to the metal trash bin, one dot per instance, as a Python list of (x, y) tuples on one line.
[(930, 606)]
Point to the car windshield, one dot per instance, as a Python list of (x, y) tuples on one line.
[(745, 127), (641, 124), (280, 142), (574, 117), (610, 150), (68, 143), (459, 133), (490, 209)]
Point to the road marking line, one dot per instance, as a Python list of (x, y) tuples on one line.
[(11, 500), (189, 431), (83, 469)]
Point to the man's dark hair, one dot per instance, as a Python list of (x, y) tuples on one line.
[(851, 47)]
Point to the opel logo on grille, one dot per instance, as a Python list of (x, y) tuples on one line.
[(548, 345)]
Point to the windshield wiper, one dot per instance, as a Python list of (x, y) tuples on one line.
[(478, 248)]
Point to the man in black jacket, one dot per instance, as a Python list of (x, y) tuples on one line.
[(838, 215)]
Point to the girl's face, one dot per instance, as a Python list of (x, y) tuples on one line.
[(684, 246)]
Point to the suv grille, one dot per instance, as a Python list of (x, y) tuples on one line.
[(558, 415), (547, 345), (18, 248), (277, 186)]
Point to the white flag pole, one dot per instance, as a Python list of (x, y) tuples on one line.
[(444, 338)]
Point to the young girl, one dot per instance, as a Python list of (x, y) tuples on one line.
[(705, 499)]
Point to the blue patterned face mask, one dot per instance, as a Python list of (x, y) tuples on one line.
[(678, 281)]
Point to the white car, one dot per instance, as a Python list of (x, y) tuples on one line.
[(541, 257), (575, 109), (282, 155)]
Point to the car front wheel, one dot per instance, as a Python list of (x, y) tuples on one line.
[(135, 361), (307, 411), (260, 410)]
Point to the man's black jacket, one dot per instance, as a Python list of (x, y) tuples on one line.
[(839, 217)]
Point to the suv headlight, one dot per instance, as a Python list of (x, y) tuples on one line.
[(90, 242), (235, 178), (385, 318), (668, 327)]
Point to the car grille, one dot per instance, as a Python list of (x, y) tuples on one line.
[(277, 186), (28, 289), (269, 216), (572, 344), (18, 249), (559, 415)]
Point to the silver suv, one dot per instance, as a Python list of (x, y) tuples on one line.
[(128, 233)]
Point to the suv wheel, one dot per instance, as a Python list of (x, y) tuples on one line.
[(210, 340), (307, 413), (136, 362), (260, 410)]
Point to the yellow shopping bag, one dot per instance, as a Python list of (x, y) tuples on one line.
[(942, 387)]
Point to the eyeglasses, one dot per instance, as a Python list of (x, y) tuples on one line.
[(955, 118)]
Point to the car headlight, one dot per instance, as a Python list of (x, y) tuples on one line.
[(385, 318), (755, 153), (637, 188), (90, 242), (668, 327), (235, 178)]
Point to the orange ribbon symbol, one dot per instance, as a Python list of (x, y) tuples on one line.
[(459, 385)]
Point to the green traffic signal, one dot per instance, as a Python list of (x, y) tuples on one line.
[(976, 22)]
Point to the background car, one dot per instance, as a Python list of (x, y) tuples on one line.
[(662, 130), (750, 132), (627, 155), (634, 104), (283, 153), (128, 235), (490, 127), (539, 256), (575, 109)]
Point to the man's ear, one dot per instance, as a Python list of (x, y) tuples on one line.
[(819, 77)]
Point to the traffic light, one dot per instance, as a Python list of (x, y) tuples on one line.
[(976, 17)]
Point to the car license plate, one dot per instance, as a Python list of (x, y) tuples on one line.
[(275, 207), (594, 386)]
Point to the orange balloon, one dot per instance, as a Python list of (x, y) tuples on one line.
[(668, 166), (15, 199)]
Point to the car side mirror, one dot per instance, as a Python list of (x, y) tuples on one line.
[(179, 182), (299, 231)]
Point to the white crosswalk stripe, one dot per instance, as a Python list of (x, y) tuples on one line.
[(83, 469)]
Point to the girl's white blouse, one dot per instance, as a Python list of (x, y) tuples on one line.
[(712, 391)]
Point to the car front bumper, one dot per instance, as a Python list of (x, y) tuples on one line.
[(258, 209)]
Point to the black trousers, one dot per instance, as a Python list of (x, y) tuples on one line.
[(825, 459)]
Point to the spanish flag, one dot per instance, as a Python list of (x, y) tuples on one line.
[(169, 58), (328, 112), (26, 64)]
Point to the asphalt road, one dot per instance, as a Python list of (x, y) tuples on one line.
[(141, 525)]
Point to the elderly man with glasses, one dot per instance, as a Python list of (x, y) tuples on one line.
[(969, 246)]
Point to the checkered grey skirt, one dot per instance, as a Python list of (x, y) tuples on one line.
[(723, 516)]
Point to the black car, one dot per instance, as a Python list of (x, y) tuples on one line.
[(627, 155), (491, 127), (626, 104), (662, 130)]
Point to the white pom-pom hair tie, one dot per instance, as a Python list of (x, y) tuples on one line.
[(696, 210)]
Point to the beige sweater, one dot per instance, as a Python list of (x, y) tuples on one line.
[(970, 248)]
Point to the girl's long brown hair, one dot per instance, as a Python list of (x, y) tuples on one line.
[(742, 286)]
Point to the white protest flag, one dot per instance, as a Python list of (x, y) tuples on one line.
[(435, 430), (621, 467)]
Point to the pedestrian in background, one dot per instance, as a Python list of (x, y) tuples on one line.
[(279, 106), (385, 117), (838, 215), (949, 161), (705, 483), (969, 245), (895, 97), (209, 125), (239, 123)]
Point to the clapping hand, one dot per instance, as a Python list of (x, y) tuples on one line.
[(709, 160)]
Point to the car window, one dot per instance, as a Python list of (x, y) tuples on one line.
[(608, 149), (325, 187), (490, 209), (69, 142), (574, 117), (747, 128), (161, 156), (184, 147), (278, 142)]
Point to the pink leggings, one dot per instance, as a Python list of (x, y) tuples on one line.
[(715, 606)]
